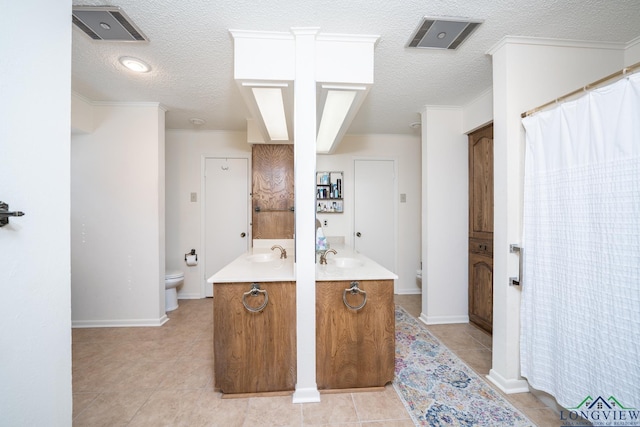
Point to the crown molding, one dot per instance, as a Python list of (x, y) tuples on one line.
[(538, 41)]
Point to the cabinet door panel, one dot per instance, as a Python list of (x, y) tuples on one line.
[(481, 291), (272, 191), (354, 348), (481, 184), (254, 352)]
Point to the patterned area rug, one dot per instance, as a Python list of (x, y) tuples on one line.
[(438, 389)]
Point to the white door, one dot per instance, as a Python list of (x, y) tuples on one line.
[(375, 211), (226, 212)]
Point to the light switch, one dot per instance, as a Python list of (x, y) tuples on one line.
[(403, 198), (194, 197)]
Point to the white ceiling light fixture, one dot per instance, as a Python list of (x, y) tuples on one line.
[(271, 106), (442, 33), (135, 64), (340, 106)]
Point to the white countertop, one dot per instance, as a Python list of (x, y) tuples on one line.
[(358, 267), (270, 268)]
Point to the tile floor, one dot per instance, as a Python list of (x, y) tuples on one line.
[(164, 377)]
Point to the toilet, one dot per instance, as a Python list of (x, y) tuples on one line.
[(172, 279)]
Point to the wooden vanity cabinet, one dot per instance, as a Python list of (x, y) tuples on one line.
[(254, 352), (354, 349)]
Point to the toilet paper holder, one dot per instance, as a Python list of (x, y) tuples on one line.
[(193, 252)]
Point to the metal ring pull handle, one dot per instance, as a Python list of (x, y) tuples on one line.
[(255, 290), (354, 289)]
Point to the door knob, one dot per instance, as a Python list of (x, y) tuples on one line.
[(243, 234), (5, 214), (358, 234)]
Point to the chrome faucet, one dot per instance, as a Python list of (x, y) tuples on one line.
[(283, 251), (323, 256)]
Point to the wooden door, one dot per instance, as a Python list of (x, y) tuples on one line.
[(481, 228), (272, 191)]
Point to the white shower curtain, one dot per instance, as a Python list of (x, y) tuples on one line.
[(580, 312)]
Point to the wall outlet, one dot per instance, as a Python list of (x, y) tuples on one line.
[(325, 224), (194, 197)]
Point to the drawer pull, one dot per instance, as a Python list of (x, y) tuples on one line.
[(255, 290), (354, 289)]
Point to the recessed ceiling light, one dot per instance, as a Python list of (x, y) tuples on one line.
[(415, 125), (135, 64), (196, 121), (105, 26)]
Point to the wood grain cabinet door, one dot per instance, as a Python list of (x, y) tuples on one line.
[(254, 352), (481, 228), (354, 349), (272, 191), (481, 291)]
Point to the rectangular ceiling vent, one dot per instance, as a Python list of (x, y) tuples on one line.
[(107, 23), (442, 33)]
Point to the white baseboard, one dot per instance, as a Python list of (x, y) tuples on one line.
[(409, 292), (306, 395), (508, 386), (189, 295), (443, 320), (119, 323)]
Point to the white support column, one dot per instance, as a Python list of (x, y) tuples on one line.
[(305, 215)]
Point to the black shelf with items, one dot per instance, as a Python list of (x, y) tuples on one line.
[(329, 186)]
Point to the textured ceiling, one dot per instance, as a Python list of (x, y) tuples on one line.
[(191, 51)]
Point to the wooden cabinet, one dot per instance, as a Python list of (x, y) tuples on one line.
[(272, 191), (481, 284), (329, 185), (254, 352), (481, 228), (354, 348)]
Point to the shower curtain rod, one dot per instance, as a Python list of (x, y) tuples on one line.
[(625, 71)]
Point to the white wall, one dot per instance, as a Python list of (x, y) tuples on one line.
[(117, 217), (35, 342), (185, 150), (445, 216), (526, 74)]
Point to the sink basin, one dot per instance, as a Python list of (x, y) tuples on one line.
[(266, 257), (346, 262)]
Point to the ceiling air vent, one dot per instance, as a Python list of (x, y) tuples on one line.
[(107, 23), (441, 33)]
